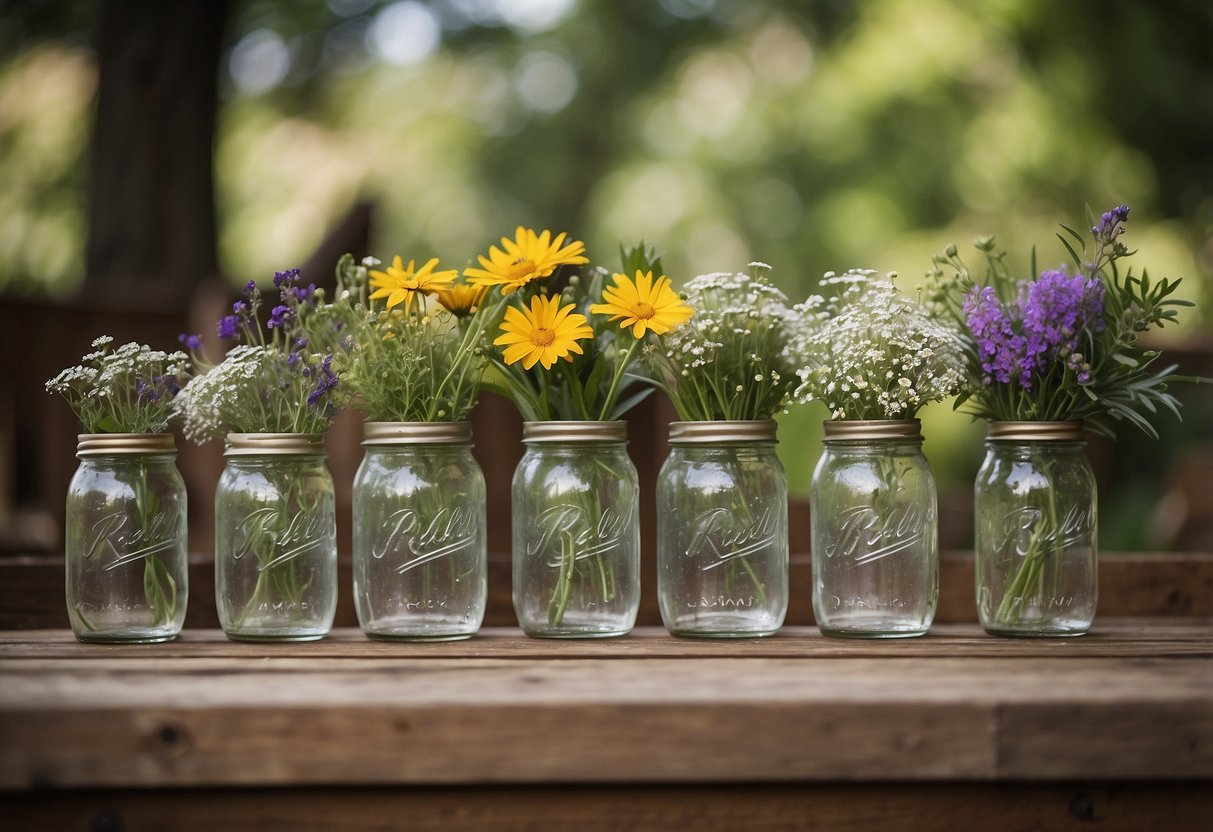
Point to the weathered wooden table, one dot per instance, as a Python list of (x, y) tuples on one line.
[(957, 730)]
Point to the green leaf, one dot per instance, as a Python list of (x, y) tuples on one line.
[(1126, 360), (594, 380), (639, 258), (624, 405), (1082, 241), (1074, 254), (108, 424)]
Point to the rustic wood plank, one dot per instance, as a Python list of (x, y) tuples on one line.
[(263, 720), (898, 807), (1148, 584), (456, 743), (1039, 741), (1123, 637)]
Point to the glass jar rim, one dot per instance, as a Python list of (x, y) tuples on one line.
[(723, 430), (416, 433), (866, 430), (274, 444), (1035, 431), (575, 431), (111, 444)]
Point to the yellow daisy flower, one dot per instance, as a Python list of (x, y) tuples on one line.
[(644, 304), (525, 258), (462, 300), (399, 284), (545, 332)]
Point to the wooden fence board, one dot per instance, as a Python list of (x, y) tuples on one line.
[(879, 807), (1143, 584)]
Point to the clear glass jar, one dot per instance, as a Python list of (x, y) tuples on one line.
[(419, 532), (875, 533), (126, 563), (722, 531), (275, 539), (1035, 515), (576, 519)]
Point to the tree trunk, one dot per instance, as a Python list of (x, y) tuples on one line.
[(151, 192)]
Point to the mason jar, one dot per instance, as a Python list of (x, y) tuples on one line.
[(419, 532), (275, 539), (875, 547), (1035, 515), (576, 535), (126, 566), (722, 531)]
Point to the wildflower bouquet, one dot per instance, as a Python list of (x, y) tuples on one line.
[(274, 500), (419, 506), (278, 379), (418, 357), (548, 328), (870, 351), (127, 390), (730, 362), (136, 510), (874, 357), (722, 519), (1045, 358), (565, 364), (1063, 346)]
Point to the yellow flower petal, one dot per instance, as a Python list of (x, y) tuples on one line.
[(643, 304), (541, 332), (526, 258)]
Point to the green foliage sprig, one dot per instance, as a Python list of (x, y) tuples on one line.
[(1063, 346), (420, 364)]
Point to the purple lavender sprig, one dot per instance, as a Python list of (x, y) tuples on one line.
[(1062, 346), (278, 376), (1019, 342)]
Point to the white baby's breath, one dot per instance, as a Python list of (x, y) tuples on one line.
[(729, 361), (868, 331), (128, 390)]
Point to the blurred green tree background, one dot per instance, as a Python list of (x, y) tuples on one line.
[(810, 136)]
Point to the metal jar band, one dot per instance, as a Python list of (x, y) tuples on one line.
[(1069, 431), (274, 444), (110, 444), (864, 430), (416, 433), (575, 431), (691, 433)]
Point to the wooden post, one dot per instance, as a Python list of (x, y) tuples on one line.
[(151, 194)]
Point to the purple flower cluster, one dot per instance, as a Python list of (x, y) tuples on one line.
[(325, 379), (243, 315), (244, 311), (160, 387), (289, 287), (1059, 309), (1047, 325), (280, 316), (293, 365), (229, 325), (999, 347), (1111, 224)]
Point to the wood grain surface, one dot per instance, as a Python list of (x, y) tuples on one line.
[(811, 807), (1133, 700)]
